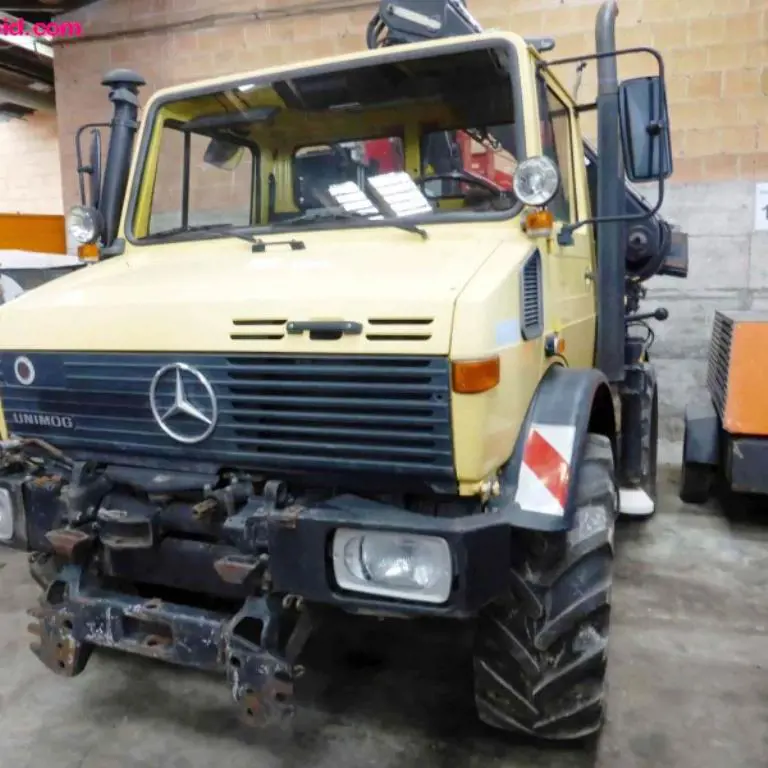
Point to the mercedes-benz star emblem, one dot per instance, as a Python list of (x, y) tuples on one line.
[(187, 403)]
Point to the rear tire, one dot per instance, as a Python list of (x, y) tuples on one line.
[(540, 654), (696, 481)]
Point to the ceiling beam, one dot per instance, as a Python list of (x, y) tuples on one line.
[(47, 8), (39, 45), (19, 63), (38, 101)]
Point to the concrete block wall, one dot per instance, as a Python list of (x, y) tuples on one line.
[(716, 55), (30, 169), (728, 270)]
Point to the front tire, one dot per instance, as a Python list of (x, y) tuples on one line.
[(540, 654)]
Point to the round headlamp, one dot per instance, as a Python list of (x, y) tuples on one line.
[(83, 224), (536, 181)]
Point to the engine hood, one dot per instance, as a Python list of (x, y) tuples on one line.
[(217, 295)]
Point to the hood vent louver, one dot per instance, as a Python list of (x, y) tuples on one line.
[(399, 329), (532, 320), (378, 329), (258, 330)]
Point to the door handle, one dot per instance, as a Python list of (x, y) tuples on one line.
[(339, 327)]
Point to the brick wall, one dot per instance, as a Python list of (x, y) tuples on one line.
[(716, 54), (30, 173)]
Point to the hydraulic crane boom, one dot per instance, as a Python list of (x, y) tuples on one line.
[(410, 22), (652, 246)]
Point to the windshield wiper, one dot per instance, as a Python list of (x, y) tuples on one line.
[(230, 230), (324, 214)]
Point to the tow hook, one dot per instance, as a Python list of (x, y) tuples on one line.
[(55, 644), (261, 674), (265, 696), (257, 648)]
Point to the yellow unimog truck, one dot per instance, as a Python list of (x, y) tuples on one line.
[(313, 366)]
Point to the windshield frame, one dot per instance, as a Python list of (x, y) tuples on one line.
[(390, 54)]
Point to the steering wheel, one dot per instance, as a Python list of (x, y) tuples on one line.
[(489, 186)]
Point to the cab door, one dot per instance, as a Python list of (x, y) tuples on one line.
[(571, 267)]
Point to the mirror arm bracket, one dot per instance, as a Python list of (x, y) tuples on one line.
[(81, 168), (565, 235), (117, 248)]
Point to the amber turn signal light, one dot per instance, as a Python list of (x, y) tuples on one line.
[(89, 252), (471, 377), (554, 344), (539, 223)]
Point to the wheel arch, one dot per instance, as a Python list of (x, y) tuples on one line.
[(602, 416), (568, 404)]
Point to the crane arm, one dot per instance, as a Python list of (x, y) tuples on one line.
[(398, 22)]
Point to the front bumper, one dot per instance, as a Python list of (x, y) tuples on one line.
[(76, 616), (268, 558), (292, 541)]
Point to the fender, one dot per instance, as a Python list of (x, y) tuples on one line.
[(567, 405), (702, 433)]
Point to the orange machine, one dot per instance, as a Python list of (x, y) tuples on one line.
[(33, 250), (32, 232), (726, 430)]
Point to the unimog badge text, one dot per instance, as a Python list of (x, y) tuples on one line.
[(42, 420)]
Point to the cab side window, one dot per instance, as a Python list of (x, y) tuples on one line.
[(190, 192), (556, 144)]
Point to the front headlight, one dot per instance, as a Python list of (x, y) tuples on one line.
[(83, 224), (536, 181), (405, 566)]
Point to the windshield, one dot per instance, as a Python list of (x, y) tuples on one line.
[(420, 140)]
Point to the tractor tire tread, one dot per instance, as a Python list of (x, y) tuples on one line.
[(540, 654)]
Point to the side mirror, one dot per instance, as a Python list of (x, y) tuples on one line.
[(223, 154), (93, 168), (645, 136), (94, 164)]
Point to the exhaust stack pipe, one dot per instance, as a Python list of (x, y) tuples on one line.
[(610, 201), (123, 87)]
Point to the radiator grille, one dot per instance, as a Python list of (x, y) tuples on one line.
[(719, 360), (376, 414)]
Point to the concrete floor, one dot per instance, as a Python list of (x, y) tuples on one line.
[(688, 680)]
